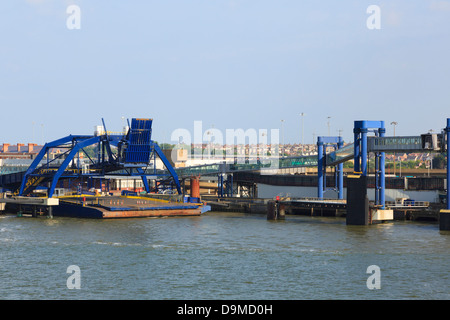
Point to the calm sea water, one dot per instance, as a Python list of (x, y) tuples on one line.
[(221, 256)]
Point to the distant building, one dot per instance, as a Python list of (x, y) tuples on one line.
[(19, 151), (16, 158), (22, 151)]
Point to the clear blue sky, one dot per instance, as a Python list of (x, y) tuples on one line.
[(229, 63)]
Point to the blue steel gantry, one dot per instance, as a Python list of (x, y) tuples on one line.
[(447, 143), (444, 215), (361, 129), (322, 143), (134, 150)]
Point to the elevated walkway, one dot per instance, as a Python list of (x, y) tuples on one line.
[(408, 144), (267, 164)]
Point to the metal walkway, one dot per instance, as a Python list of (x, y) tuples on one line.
[(267, 164), (395, 144), (409, 144)]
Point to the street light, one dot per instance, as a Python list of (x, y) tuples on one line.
[(42, 133), (34, 141), (328, 124), (302, 115), (430, 165), (263, 145), (394, 124)]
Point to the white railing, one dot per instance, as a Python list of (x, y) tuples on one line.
[(407, 204)]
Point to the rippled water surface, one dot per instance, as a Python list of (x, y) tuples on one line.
[(221, 256)]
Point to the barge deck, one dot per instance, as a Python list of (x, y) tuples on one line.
[(112, 207)]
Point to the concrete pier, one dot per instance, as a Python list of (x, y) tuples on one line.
[(357, 200), (20, 205)]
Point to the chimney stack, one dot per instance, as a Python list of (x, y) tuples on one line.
[(31, 147), (5, 147), (19, 145)]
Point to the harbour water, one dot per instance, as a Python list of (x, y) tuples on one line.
[(222, 256)]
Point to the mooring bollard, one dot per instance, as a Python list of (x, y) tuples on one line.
[(444, 220), (276, 210), (281, 211), (271, 210), (50, 212)]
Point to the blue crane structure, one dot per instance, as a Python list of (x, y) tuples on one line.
[(134, 150)]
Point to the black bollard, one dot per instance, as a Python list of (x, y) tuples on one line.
[(50, 212), (271, 210), (281, 211), (444, 220), (19, 212)]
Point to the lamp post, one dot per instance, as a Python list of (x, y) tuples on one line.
[(302, 115), (32, 123), (430, 164), (328, 124), (42, 133)]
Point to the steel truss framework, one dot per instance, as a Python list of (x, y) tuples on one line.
[(134, 151)]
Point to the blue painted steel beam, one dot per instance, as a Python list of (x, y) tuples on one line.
[(321, 166), (77, 147), (447, 130), (41, 155), (365, 124), (363, 155), (356, 151), (382, 199), (220, 185), (330, 140), (144, 179), (361, 128), (229, 185), (340, 172), (168, 166)]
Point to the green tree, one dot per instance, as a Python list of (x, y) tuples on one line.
[(439, 161)]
